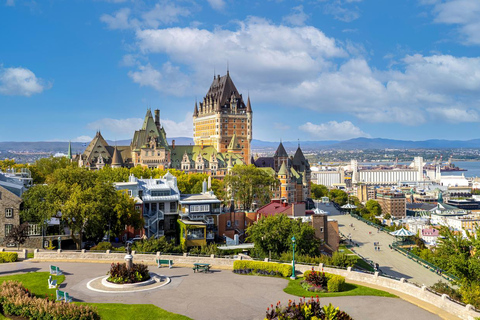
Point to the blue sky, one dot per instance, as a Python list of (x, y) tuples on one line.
[(314, 70)]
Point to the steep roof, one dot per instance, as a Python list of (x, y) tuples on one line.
[(222, 89), (249, 106), (206, 153), (283, 170), (280, 151), (97, 147), (116, 158), (299, 161), (149, 129)]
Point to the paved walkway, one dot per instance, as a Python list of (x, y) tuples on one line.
[(217, 295), (390, 262)]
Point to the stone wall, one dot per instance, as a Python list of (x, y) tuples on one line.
[(441, 301)]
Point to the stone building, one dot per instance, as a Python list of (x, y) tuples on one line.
[(293, 173), (10, 206), (223, 120), (327, 231), (393, 203)]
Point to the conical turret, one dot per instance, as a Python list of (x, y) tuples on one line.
[(195, 111), (249, 106), (116, 158)]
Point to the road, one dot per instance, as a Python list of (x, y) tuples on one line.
[(390, 261)]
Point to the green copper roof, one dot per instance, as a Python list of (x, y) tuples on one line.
[(206, 153), (283, 170)]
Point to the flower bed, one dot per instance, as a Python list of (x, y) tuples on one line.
[(307, 310), (262, 268), (120, 274), (15, 300), (317, 281)]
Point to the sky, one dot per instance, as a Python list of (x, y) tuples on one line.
[(314, 69)]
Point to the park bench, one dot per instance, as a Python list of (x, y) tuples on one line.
[(55, 270), (166, 262), (62, 295), (205, 267), (51, 283)]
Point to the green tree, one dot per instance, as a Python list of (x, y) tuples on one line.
[(274, 235), (319, 191), (44, 168), (373, 207), (248, 184), (338, 196)]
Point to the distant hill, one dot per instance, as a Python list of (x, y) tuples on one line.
[(257, 145)]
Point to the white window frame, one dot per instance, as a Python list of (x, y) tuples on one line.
[(8, 212)]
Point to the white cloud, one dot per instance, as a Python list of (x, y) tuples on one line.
[(217, 4), (119, 20), (168, 80), (342, 10), (297, 17), (124, 128), (82, 139), (333, 130), (163, 13), (464, 13), (10, 3), (119, 128), (20, 81), (455, 115), (179, 129)]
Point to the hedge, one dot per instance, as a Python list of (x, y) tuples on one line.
[(8, 257), (335, 283), (264, 268)]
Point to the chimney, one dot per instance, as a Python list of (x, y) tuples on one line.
[(157, 117), (201, 146), (204, 187), (173, 144)]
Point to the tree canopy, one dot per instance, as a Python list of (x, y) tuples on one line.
[(248, 184), (319, 191), (274, 235)]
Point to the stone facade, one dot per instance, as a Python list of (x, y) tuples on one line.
[(10, 206), (327, 231)]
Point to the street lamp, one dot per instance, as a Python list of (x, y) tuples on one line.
[(293, 261), (60, 243)]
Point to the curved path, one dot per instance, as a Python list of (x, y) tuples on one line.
[(217, 295), (390, 261)]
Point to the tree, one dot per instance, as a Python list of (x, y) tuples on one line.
[(373, 208), (18, 234), (274, 235), (338, 196), (319, 191), (44, 168), (248, 184)]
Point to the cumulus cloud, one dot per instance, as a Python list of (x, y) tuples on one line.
[(463, 13), (297, 17), (163, 13), (333, 130), (21, 82), (342, 10), (169, 79), (124, 128), (217, 4)]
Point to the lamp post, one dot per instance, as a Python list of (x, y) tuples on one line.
[(293, 261), (60, 243)]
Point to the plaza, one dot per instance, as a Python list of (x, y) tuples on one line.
[(220, 294)]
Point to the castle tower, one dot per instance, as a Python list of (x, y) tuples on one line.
[(222, 115)]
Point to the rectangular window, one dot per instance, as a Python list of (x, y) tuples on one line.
[(130, 193), (161, 206), (236, 223), (173, 206), (0, 196), (9, 213), (173, 224), (8, 228), (199, 208)]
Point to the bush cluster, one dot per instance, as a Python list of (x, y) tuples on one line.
[(103, 246), (156, 245), (15, 300), (262, 268), (8, 257), (338, 259), (120, 274), (317, 281), (307, 310)]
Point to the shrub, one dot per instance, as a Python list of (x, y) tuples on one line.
[(120, 274), (156, 245), (262, 268), (442, 287), (102, 246), (335, 283), (8, 257), (17, 301), (316, 278), (305, 309)]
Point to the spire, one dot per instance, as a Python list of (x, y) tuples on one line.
[(233, 145), (69, 153), (283, 170), (116, 158), (249, 106), (195, 111), (230, 164), (280, 151)]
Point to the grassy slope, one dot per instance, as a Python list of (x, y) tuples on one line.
[(351, 289), (35, 282)]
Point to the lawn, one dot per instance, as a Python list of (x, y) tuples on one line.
[(36, 282), (351, 289)]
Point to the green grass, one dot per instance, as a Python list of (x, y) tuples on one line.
[(343, 248), (362, 264), (35, 282), (118, 311), (351, 289)]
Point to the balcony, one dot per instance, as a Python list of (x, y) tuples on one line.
[(157, 214)]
